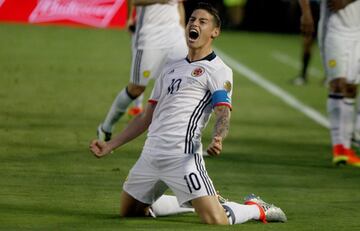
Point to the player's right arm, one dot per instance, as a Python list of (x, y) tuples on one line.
[(135, 128), (150, 2), (306, 21), (220, 85), (221, 129)]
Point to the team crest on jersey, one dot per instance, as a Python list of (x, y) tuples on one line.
[(146, 74), (197, 72), (332, 63), (227, 86)]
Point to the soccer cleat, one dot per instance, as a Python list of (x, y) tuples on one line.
[(352, 158), (134, 111), (103, 135), (268, 212), (338, 155), (342, 155)]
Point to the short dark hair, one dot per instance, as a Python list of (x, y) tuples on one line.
[(211, 10)]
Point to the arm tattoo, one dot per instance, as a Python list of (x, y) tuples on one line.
[(222, 123)]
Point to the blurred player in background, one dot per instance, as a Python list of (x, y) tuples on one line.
[(184, 96), (235, 10), (159, 37), (131, 26), (339, 40), (307, 44)]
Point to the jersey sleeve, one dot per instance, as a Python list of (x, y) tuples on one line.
[(156, 91), (220, 85)]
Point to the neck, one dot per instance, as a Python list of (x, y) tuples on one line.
[(198, 53)]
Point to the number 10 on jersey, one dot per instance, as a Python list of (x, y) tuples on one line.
[(192, 181)]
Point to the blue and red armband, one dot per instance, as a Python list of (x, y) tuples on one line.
[(221, 97)]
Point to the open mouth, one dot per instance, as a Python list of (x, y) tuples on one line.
[(193, 34)]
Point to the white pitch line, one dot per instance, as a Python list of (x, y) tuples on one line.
[(288, 60), (275, 90)]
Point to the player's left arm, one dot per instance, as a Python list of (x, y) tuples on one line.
[(221, 129)]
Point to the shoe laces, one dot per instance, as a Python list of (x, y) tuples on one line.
[(265, 206)]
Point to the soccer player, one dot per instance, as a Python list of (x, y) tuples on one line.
[(340, 49), (183, 98), (159, 37)]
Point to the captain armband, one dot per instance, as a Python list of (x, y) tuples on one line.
[(221, 98)]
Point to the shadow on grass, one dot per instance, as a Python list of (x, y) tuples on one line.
[(91, 216)]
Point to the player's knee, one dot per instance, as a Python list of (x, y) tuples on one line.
[(124, 213), (337, 85), (210, 211), (133, 212), (127, 212), (130, 207), (135, 90), (350, 91)]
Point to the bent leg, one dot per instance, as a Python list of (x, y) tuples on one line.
[(210, 210), (135, 90), (168, 205), (334, 106), (306, 56), (130, 207), (348, 114), (117, 109)]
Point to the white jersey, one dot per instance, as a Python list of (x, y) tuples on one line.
[(157, 26), (185, 95), (345, 21)]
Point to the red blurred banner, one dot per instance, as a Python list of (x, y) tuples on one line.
[(96, 13)]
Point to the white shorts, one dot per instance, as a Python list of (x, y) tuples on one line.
[(184, 174), (342, 58), (148, 63)]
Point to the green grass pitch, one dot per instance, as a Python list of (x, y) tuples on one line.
[(56, 85)]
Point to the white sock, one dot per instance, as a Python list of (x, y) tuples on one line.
[(347, 120), (334, 108), (168, 205), (118, 108), (139, 101), (238, 213)]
